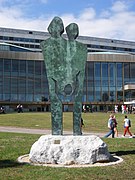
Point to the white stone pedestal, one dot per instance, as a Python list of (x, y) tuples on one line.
[(67, 150)]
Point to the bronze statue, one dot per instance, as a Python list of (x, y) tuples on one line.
[(65, 64)]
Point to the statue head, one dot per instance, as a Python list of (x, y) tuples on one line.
[(72, 31), (56, 27)]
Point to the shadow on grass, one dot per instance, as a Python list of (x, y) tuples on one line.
[(8, 163), (121, 153)]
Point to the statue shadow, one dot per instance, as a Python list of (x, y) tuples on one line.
[(8, 163), (123, 153)]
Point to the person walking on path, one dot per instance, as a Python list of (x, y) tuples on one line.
[(127, 125), (82, 124), (115, 126), (110, 126)]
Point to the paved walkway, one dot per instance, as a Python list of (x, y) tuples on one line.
[(39, 131), (45, 131)]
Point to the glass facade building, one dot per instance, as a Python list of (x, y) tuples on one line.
[(109, 75)]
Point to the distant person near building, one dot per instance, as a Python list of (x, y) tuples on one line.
[(122, 109), (19, 108), (82, 124), (116, 108), (125, 109), (84, 108), (2, 110)]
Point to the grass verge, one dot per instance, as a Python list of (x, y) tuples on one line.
[(14, 145), (94, 122)]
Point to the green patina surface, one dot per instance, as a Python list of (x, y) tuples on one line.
[(65, 64)]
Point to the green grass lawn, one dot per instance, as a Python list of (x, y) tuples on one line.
[(94, 122), (14, 145)]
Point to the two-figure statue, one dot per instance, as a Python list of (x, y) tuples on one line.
[(65, 65)]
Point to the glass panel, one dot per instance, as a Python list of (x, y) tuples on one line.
[(104, 74), (30, 68), (112, 94), (22, 97), (112, 74), (37, 97), (7, 67), (97, 81), (14, 97), (30, 87), (21, 86), (37, 88), (132, 94), (14, 85), (37, 67), (105, 94), (126, 73), (22, 68), (1, 84), (119, 94), (6, 97), (90, 71), (29, 97), (44, 88), (85, 84), (84, 98), (97, 93), (7, 85), (15, 67), (119, 74), (1, 66), (97, 74), (132, 72), (1, 97)]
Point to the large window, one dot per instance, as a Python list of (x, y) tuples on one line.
[(112, 81), (119, 81), (105, 82), (26, 80), (132, 72), (30, 67), (90, 81), (22, 68), (97, 81), (126, 73), (15, 67), (1, 66), (105, 74)]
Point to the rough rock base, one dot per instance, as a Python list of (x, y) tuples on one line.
[(69, 150)]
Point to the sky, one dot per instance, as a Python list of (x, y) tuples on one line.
[(97, 18)]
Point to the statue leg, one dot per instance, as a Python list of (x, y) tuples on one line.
[(77, 130), (56, 108), (56, 113)]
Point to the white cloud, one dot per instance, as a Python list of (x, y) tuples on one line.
[(116, 22), (119, 6), (88, 14)]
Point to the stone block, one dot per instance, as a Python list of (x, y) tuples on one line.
[(69, 150)]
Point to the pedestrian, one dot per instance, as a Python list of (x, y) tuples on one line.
[(125, 109), (20, 108), (122, 109), (84, 108), (115, 126), (110, 126), (116, 108), (2, 110), (127, 125), (82, 124)]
